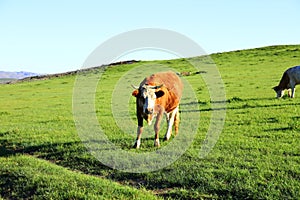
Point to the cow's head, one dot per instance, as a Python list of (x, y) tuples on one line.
[(279, 91), (146, 96)]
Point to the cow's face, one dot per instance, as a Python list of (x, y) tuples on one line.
[(279, 92), (146, 98)]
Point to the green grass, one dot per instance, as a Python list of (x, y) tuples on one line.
[(257, 155), (28, 177)]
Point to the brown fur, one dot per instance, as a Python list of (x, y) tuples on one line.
[(169, 80), (172, 88)]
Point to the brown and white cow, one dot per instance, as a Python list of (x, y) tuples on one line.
[(157, 95), (290, 78)]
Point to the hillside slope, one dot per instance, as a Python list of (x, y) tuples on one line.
[(256, 156)]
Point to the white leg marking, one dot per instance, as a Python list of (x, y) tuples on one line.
[(292, 85), (138, 143), (293, 92), (289, 93), (156, 143), (170, 123)]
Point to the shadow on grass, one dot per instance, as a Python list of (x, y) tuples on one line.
[(176, 181), (282, 129), (10, 189), (246, 103), (72, 155)]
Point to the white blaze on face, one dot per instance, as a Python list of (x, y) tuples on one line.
[(149, 102)]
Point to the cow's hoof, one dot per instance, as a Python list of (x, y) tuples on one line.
[(137, 145), (156, 143), (166, 138)]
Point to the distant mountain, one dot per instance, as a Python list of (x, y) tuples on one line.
[(16, 75)]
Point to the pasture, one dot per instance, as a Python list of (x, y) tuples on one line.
[(257, 155)]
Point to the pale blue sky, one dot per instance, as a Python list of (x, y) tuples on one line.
[(58, 35)]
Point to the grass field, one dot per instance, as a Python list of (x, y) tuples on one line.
[(257, 156)]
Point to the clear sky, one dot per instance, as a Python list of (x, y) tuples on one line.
[(46, 36)]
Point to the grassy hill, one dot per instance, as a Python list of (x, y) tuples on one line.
[(257, 155)]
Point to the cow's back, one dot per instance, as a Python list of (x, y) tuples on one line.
[(294, 74), (169, 80)]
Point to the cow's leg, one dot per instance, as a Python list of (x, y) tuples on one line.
[(137, 143), (156, 128), (289, 92), (292, 85), (170, 123), (293, 92), (176, 122), (139, 132)]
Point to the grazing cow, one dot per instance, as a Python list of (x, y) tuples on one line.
[(158, 94), (290, 78)]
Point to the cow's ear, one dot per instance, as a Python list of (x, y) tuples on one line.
[(159, 93), (135, 93)]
